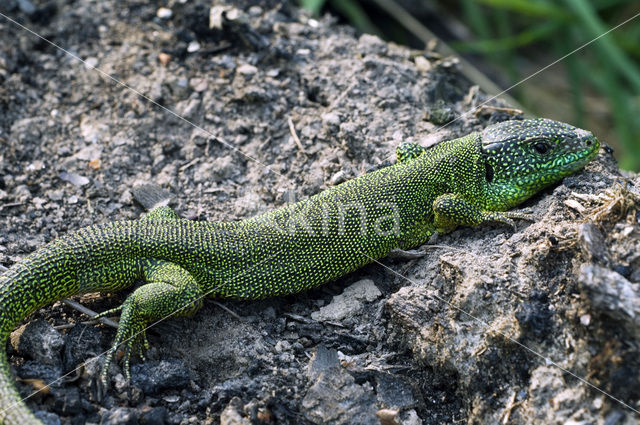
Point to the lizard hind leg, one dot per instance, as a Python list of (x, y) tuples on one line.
[(162, 212), (170, 291)]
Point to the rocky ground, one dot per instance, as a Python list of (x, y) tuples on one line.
[(278, 106)]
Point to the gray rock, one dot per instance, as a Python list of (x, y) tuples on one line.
[(28, 130), (335, 398), (372, 45), (32, 369), (81, 342), (67, 401), (74, 179), (592, 243), (322, 360), (394, 392), (120, 416), (410, 417), (247, 69), (331, 119), (38, 340), (26, 6), (153, 377), (349, 303), (231, 415), (153, 416), (47, 418), (151, 195), (612, 294), (615, 417), (215, 170)]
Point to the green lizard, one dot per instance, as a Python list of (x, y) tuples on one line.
[(466, 181)]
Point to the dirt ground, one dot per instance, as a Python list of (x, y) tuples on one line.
[(491, 325)]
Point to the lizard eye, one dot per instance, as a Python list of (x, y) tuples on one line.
[(541, 147)]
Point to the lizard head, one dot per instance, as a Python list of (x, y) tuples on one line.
[(523, 157)]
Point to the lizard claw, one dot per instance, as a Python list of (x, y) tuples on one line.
[(131, 334), (521, 215), (107, 313), (507, 217)]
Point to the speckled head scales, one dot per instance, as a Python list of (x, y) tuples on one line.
[(522, 157), (519, 148), (524, 130)]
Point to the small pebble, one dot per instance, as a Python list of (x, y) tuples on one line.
[(387, 416), (164, 13), (74, 179), (120, 416), (171, 398), (585, 319), (282, 346), (422, 63), (338, 177), (94, 164), (55, 195), (194, 46), (597, 403), (26, 7), (247, 69), (331, 118), (36, 165), (120, 383), (255, 11), (47, 418), (91, 62), (164, 58)]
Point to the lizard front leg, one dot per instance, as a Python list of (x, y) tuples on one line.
[(452, 210), (170, 291)]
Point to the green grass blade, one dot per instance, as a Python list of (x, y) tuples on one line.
[(605, 45), (356, 15), (529, 8), (314, 6), (529, 36)]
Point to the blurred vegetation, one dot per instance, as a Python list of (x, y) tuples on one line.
[(597, 88)]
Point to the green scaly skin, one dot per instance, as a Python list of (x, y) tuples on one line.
[(466, 181)]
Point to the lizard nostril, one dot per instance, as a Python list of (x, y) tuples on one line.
[(589, 142)]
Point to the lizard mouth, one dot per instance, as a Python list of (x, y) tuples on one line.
[(573, 162), (584, 156)]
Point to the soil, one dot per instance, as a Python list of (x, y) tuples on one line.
[(266, 106)]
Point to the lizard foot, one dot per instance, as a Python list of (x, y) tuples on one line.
[(131, 334), (170, 291), (507, 217)]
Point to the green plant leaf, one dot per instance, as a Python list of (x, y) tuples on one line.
[(529, 8), (529, 36), (605, 45), (356, 15), (314, 6)]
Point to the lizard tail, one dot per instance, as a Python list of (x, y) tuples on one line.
[(12, 408), (40, 279)]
